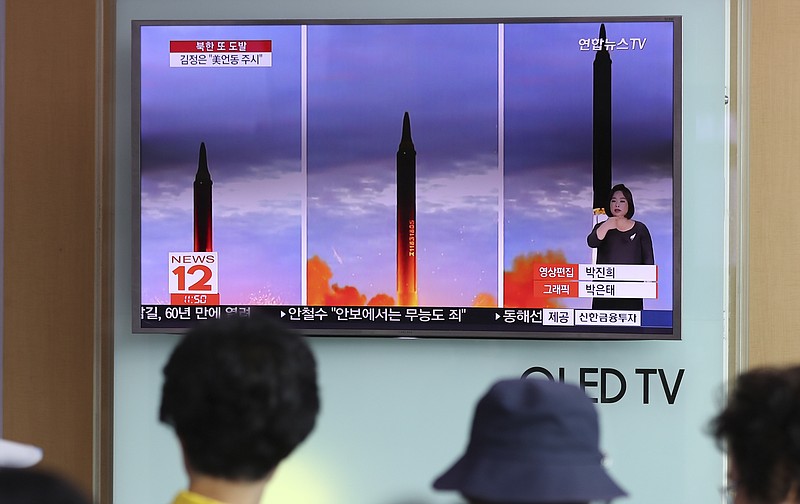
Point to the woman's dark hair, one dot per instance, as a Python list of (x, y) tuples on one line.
[(760, 429), (241, 394), (33, 486), (628, 196)]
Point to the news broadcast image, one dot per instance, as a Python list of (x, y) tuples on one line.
[(431, 164)]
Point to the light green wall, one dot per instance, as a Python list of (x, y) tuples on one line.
[(396, 412)]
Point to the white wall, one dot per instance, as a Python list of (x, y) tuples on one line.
[(396, 412)]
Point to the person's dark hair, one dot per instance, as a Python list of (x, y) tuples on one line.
[(760, 429), (33, 486), (241, 394), (628, 196)]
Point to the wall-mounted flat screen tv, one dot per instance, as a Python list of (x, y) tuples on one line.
[(467, 178)]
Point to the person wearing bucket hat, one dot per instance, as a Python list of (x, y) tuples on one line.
[(532, 442)]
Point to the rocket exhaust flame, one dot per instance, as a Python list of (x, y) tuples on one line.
[(518, 289), (202, 204), (406, 218), (320, 292)]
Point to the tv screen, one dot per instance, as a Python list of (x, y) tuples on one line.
[(410, 178)]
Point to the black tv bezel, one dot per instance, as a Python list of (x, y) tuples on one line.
[(413, 331)]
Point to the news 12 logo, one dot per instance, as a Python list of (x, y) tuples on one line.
[(193, 278)]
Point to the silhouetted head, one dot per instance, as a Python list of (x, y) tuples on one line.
[(241, 394), (618, 193), (760, 429), (32, 486)]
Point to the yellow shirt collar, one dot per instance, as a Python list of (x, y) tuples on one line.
[(187, 497)]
